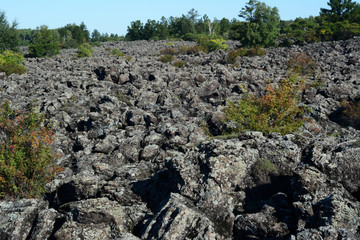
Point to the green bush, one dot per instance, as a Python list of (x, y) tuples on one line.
[(11, 62), (191, 50), (26, 157), (262, 169), (117, 52), (241, 52), (211, 44), (85, 50), (216, 44), (277, 111), (179, 64), (166, 58), (169, 51)]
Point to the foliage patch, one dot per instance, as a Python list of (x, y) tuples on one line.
[(166, 58), (26, 156), (117, 52), (351, 113), (11, 62), (277, 111), (302, 64), (85, 50), (242, 52)]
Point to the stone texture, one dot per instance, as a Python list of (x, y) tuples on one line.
[(140, 165)]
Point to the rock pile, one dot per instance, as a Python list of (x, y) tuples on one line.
[(139, 165)]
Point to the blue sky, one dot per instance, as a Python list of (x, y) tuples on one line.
[(113, 16)]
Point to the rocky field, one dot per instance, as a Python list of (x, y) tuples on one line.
[(139, 163)]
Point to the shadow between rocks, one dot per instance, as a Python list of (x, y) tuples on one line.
[(153, 191)]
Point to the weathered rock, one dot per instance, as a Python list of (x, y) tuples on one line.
[(139, 164), (98, 219), (17, 218), (179, 219)]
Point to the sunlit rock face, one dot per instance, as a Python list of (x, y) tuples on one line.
[(139, 163)]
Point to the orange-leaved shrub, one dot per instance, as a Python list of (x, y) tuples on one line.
[(278, 110), (27, 161), (179, 64), (351, 113), (302, 64)]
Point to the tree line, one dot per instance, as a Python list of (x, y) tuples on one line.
[(260, 25)]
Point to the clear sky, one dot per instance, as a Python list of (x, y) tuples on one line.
[(113, 16)]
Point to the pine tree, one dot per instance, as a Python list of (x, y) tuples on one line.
[(8, 34), (340, 10), (44, 43)]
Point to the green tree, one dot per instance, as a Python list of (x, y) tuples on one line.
[(134, 32), (95, 36), (340, 10), (261, 26), (44, 43), (182, 26), (85, 32), (25, 36), (8, 34), (149, 30), (163, 28), (73, 35), (193, 15), (224, 27)]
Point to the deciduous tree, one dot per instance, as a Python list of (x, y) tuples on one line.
[(261, 26)]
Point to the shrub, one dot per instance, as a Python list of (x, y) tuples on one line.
[(351, 113), (179, 64), (96, 44), (117, 52), (211, 44), (302, 64), (169, 51), (262, 169), (216, 44), (166, 58), (241, 52), (85, 50), (191, 50), (11, 62), (26, 157), (255, 51), (277, 111), (128, 58)]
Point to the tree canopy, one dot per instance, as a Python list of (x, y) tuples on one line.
[(341, 10), (44, 43), (9, 39), (261, 26)]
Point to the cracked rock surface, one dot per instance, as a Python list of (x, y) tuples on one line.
[(139, 165)]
